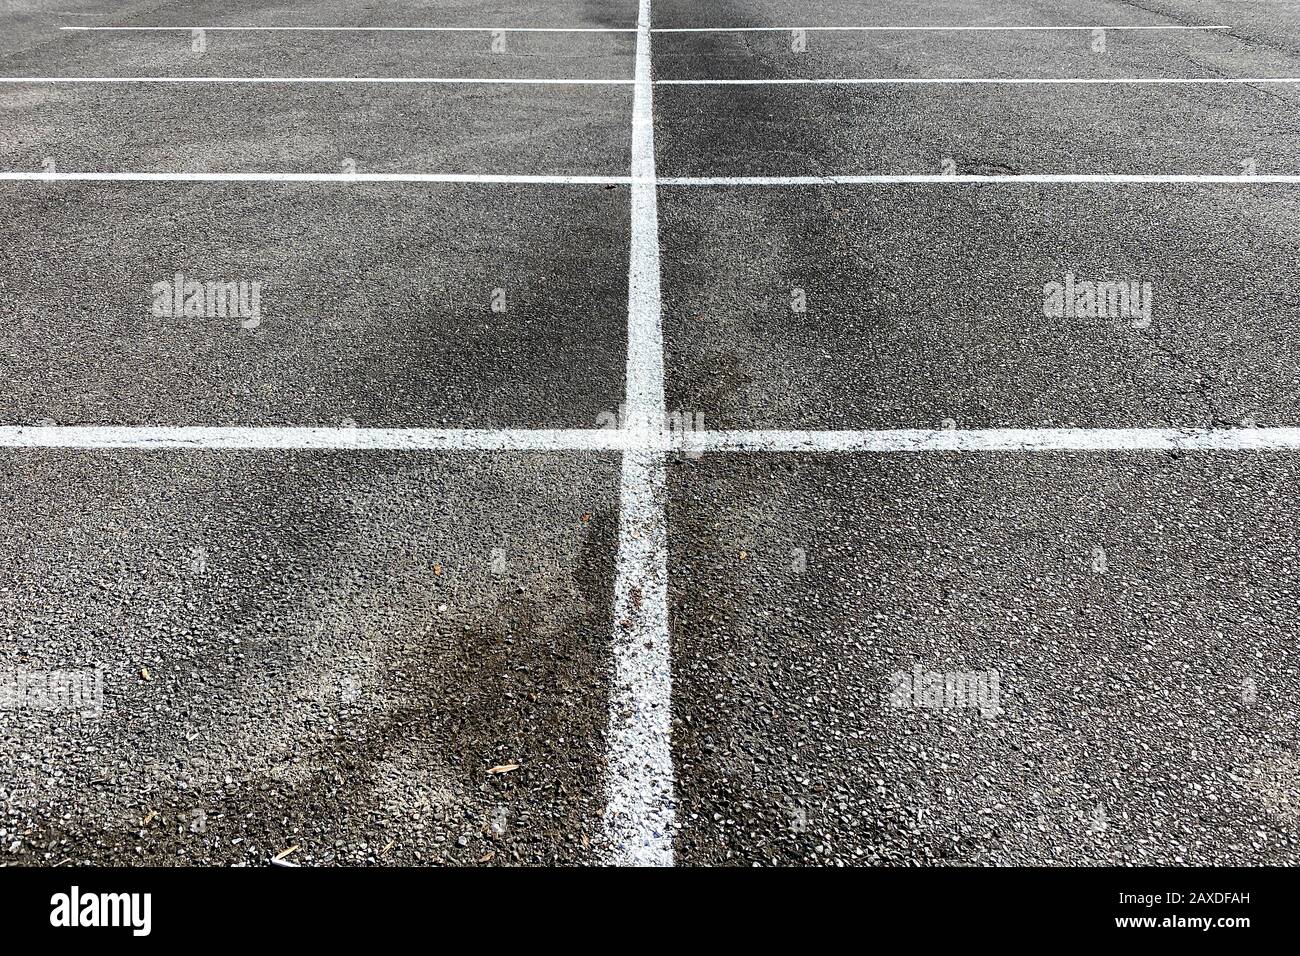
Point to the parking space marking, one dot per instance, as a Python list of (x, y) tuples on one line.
[(429, 80), (999, 439), (338, 178), (881, 179), (779, 81), (646, 442), (490, 29), (313, 29), (931, 29), (991, 81), (640, 812), (310, 438), (941, 179)]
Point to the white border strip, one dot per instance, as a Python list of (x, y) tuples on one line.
[(992, 81), (313, 29), (568, 81), (640, 811), (819, 29), (426, 80), (275, 438), (939, 179), (339, 178), (928, 29), (640, 443), (674, 181), (998, 439), (781, 81)]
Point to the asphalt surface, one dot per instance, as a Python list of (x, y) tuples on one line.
[(331, 650), (802, 584), (925, 304), (328, 651), (376, 304)]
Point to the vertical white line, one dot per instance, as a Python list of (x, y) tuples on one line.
[(639, 817), (645, 357)]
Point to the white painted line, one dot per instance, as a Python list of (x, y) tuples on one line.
[(427, 80), (997, 439), (645, 355), (640, 812), (640, 808), (994, 81), (274, 438), (783, 81), (309, 29), (642, 445), (340, 178), (821, 29), (925, 29), (939, 179), (561, 180)]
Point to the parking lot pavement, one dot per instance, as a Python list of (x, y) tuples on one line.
[(626, 655), (722, 131), (321, 53), (321, 650), (1272, 20), (1116, 126), (1062, 55), (390, 304), (357, 120), (198, 128), (922, 304), (1119, 629)]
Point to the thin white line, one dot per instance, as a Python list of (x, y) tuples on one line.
[(255, 438), (781, 81), (341, 178), (919, 29), (645, 363), (940, 179), (996, 439), (508, 81), (823, 29), (991, 81), (309, 29), (642, 442), (641, 445), (560, 180), (639, 815)]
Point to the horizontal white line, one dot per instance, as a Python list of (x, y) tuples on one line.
[(310, 438), (922, 29), (489, 29), (314, 29), (991, 81), (783, 81), (516, 81), (671, 181), (626, 439), (341, 178), (940, 179), (997, 439)]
